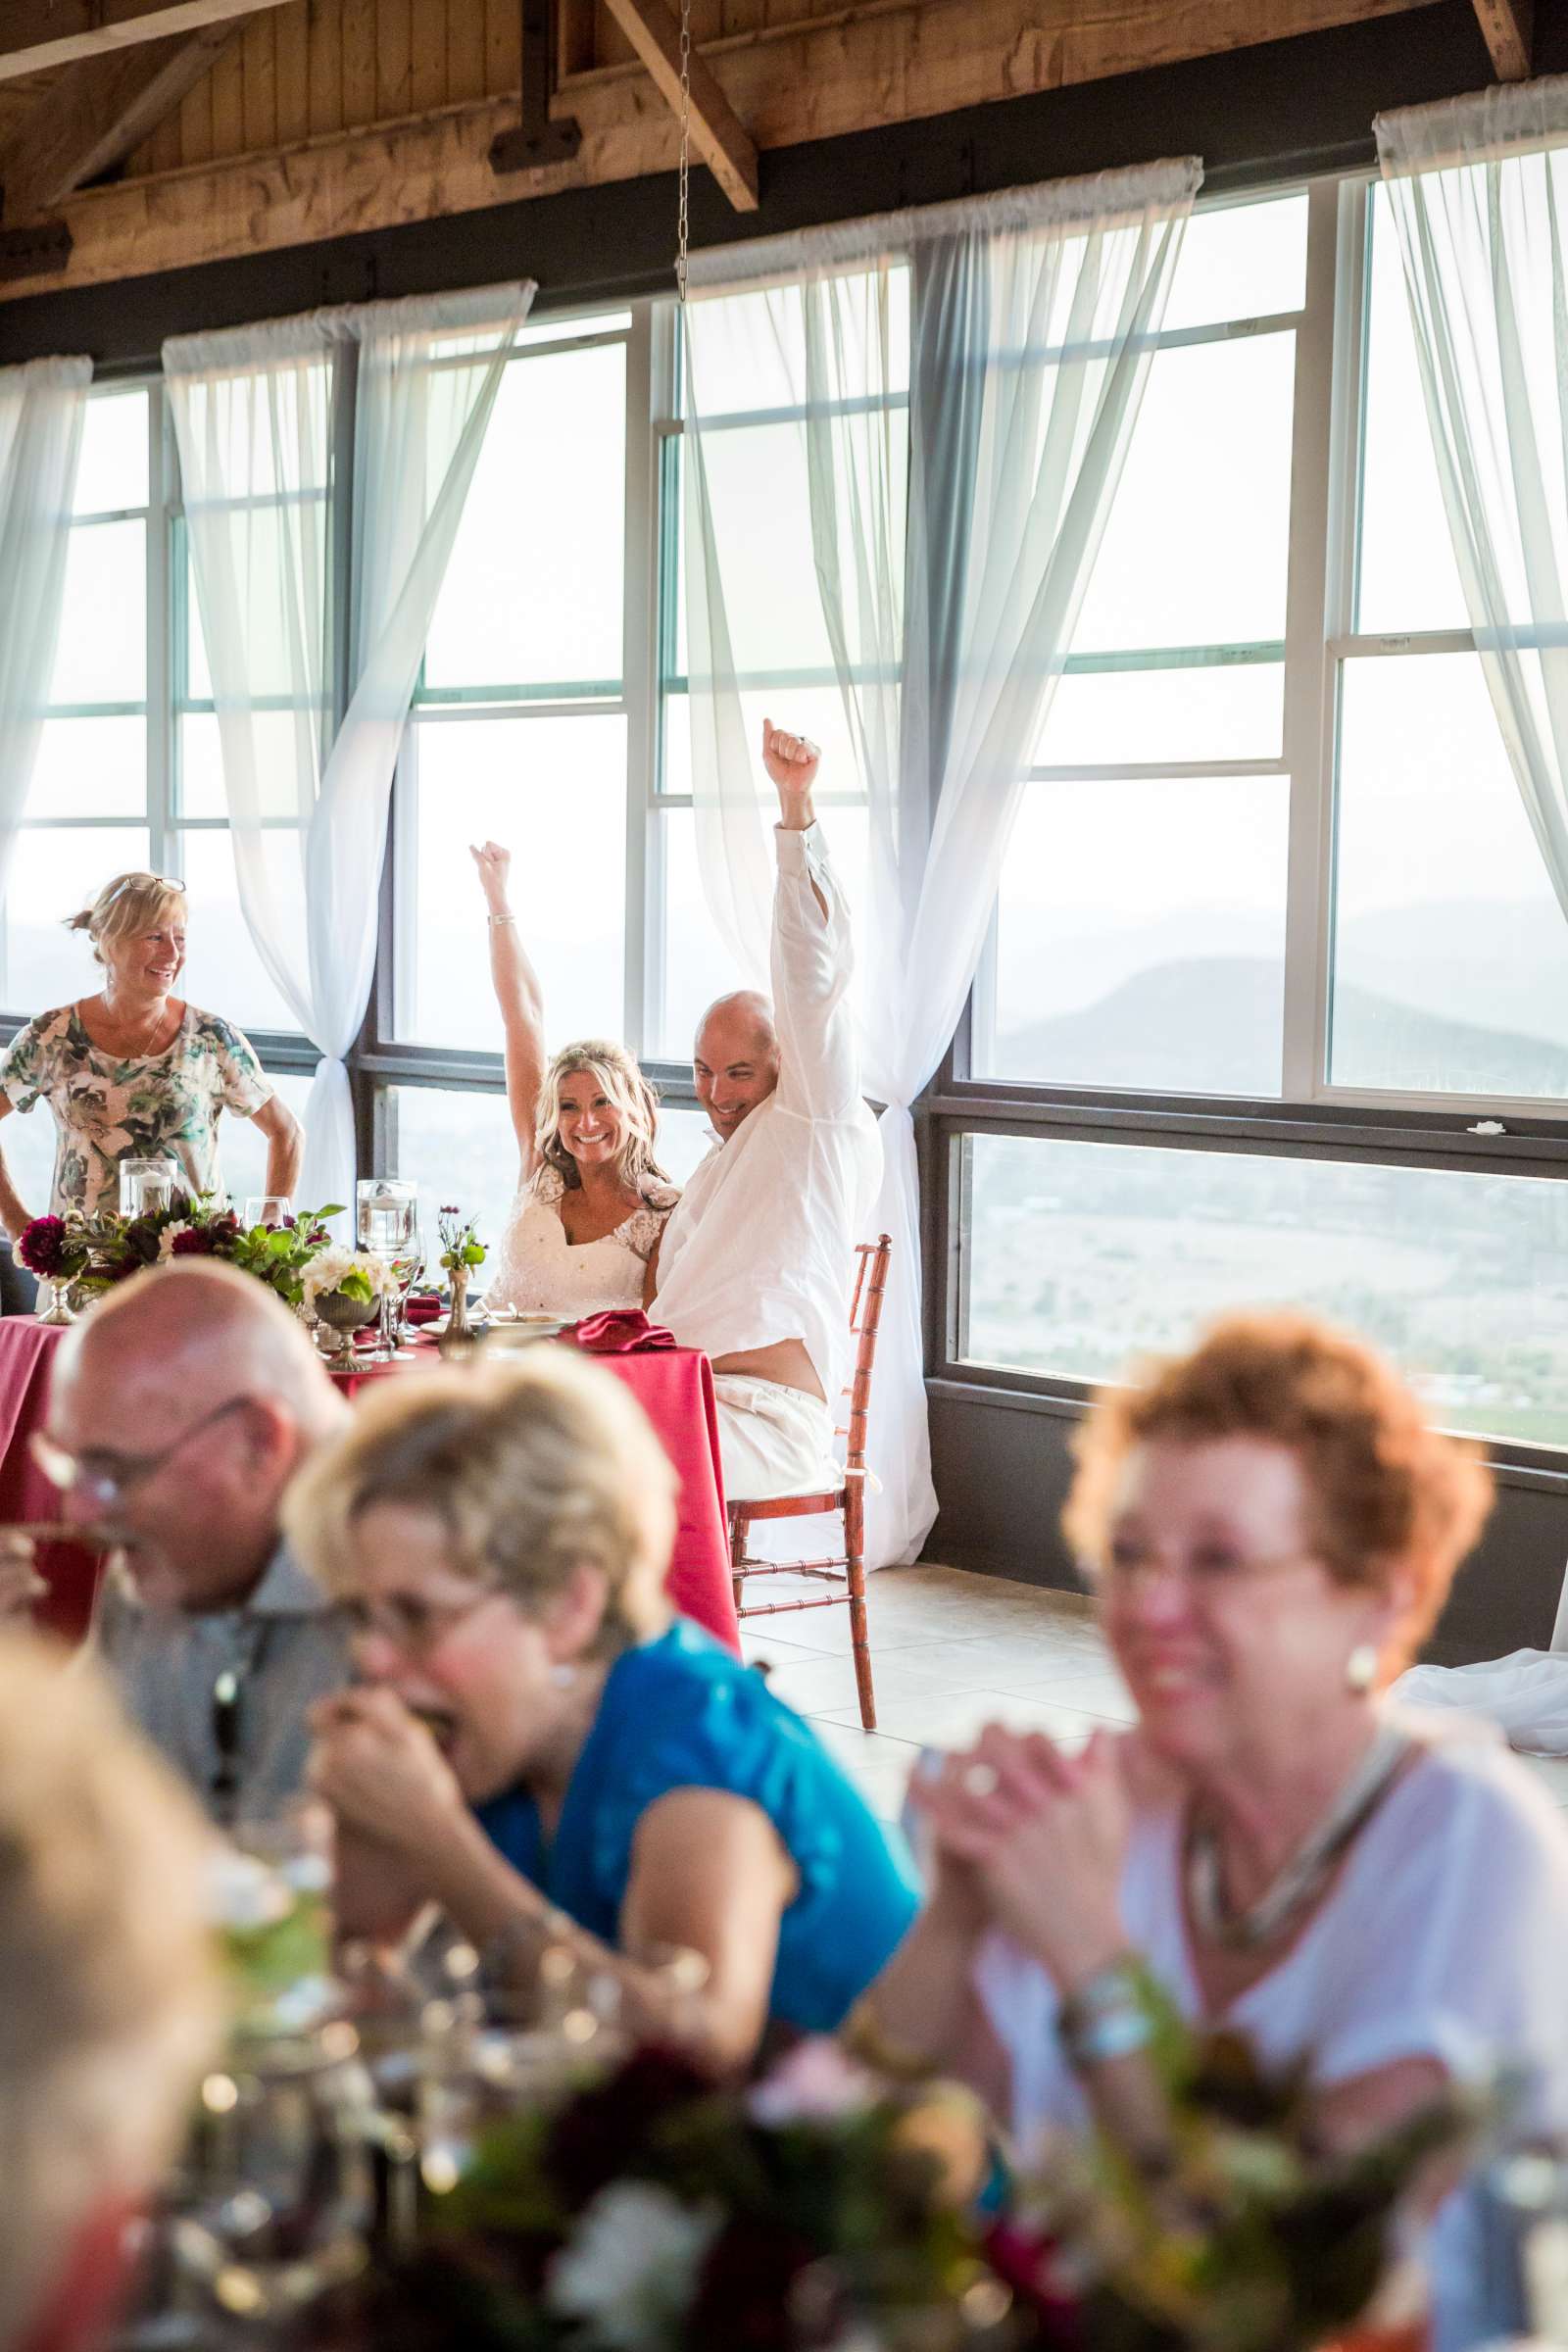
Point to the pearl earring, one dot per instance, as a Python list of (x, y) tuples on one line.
[(563, 1676), (1361, 1667)]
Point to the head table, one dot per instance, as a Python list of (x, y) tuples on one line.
[(675, 1386)]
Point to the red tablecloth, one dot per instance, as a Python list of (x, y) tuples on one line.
[(673, 1386), (27, 1351)]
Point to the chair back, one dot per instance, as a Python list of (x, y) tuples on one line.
[(866, 1318)]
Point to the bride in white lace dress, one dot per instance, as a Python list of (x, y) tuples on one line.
[(592, 1199)]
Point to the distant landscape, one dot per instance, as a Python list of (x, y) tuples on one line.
[(1084, 1255)]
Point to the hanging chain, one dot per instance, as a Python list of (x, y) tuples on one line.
[(684, 232)]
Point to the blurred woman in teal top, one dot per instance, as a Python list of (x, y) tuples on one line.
[(534, 1735)]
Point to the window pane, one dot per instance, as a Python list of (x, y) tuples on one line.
[(242, 1147), (1141, 937), (1087, 1254), (814, 710), (1241, 260), (1450, 959), (554, 790), (1111, 718), (54, 876), (533, 592), (1195, 551), (695, 964), (90, 767), (456, 1145), (684, 1138), (102, 625), (113, 473), (1409, 577), (225, 973), (747, 341), (279, 738)]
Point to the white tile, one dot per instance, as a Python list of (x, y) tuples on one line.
[(959, 1717)]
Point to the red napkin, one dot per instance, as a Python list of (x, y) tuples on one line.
[(423, 1307), (619, 1331)]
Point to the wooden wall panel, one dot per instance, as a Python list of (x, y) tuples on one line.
[(465, 52), (292, 26), (258, 50), (326, 67), (394, 58), (359, 60), (428, 81), (503, 47)]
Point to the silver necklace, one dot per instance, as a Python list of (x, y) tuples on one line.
[(1303, 1875)]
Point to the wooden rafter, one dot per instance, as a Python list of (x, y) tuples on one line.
[(36, 35), (92, 117), (793, 83), (718, 137), (1507, 27)]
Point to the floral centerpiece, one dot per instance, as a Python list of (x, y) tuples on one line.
[(344, 1291), (647, 2211), (1251, 2236), (461, 1251), (91, 1254), (642, 2209)]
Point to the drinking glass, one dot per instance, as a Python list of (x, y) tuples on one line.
[(147, 1186), (387, 1214), (267, 1209)]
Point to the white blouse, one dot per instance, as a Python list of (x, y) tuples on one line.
[(1444, 1938), (539, 1271)]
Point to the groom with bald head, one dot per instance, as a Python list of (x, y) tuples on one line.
[(755, 1263)]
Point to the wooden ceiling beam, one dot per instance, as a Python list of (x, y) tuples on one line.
[(94, 115), (1507, 25), (717, 135), (38, 35)]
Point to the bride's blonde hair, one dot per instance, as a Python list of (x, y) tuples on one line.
[(617, 1077)]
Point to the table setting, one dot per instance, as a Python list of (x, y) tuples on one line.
[(373, 1312)]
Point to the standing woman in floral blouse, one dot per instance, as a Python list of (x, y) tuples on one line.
[(134, 1071)]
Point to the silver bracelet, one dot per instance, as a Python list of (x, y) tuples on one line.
[(1111, 2034), (503, 918)]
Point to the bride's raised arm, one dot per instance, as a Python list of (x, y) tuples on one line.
[(517, 992)]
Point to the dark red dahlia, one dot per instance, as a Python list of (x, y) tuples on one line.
[(42, 1246), (601, 2135), (744, 2300), (197, 1241)]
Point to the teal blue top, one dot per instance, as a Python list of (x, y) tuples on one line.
[(680, 1712)]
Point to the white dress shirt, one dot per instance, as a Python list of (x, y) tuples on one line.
[(761, 1245)]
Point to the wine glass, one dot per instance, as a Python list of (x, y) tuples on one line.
[(267, 1209)]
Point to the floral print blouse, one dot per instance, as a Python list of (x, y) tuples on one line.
[(154, 1105)]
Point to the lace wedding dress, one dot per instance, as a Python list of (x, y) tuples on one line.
[(538, 1271)]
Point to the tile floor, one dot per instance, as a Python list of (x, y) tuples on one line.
[(952, 1651)]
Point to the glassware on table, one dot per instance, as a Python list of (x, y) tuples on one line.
[(267, 1209), (148, 1185), (387, 1215), (275, 2198)]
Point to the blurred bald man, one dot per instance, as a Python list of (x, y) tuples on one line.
[(756, 1262), (179, 1410)]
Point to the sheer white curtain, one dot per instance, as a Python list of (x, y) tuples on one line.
[(1478, 188), (375, 413), (957, 389), (42, 408)]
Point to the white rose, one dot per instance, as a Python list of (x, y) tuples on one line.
[(629, 2275)]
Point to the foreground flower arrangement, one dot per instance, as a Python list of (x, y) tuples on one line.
[(824, 2211), (92, 1255)]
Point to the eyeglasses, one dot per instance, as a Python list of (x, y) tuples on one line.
[(1208, 1568), (140, 881), (107, 1477), (412, 1626)]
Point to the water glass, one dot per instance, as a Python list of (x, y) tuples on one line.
[(387, 1215), (267, 1209), (147, 1186)]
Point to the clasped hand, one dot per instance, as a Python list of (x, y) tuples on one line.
[(1037, 1839), (21, 1585), (380, 1770)]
